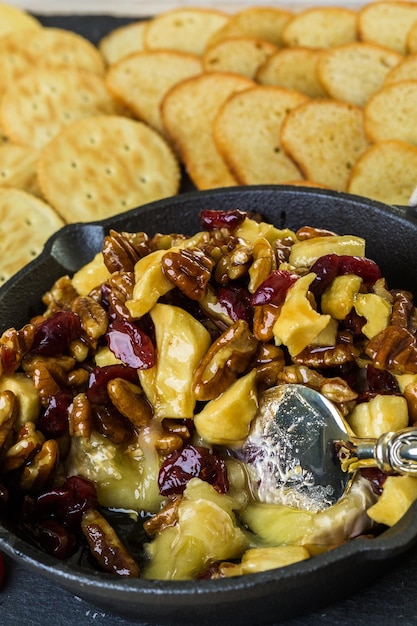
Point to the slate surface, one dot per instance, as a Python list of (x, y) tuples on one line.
[(30, 600)]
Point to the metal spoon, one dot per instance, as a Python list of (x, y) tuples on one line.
[(300, 452)]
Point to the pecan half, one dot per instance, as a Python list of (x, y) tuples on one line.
[(112, 424), (29, 441), (106, 547), (60, 295), (310, 232), (130, 401), (226, 358), (14, 344), (270, 360), (264, 318), (122, 250), (234, 263), (80, 416), (93, 318), (36, 473), (334, 388), (167, 516), (394, 349), (330, 356), (264, 262), (402, 309), (189, 270)]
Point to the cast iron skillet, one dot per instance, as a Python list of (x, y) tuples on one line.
[(267, 597)]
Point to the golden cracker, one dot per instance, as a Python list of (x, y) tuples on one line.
[(13, 19), (247, 133), (321, 27), (38, 105), (122, 41), (100, 166), (22, 51), (355, 71), (391, 113), (188, 111), (18, 165), (184, 29), (325, 138), (241, 55), (386, 172), (263, 22), (27, 222), (293, 68), (141, 80)]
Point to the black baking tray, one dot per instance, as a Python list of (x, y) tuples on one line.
[(28, 599)]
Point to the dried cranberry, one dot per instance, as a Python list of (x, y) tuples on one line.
[(212, 219), (381, 381), (54, 420), (56, 539), (100, 376), (55, 333), (66, 504), (130, 344), (192, 462), (236, 301), (326, 269), (365, 268), (329, 266), (376, 477), (274, 289)]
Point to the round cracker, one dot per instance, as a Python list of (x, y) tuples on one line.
[(387, 23), (188, 111), (241, 55), (406, 69), (102, 165), (293, 68), (391, 113), (261, 22), (21, 51), (355, 71), (38, 105), (18, 165), (386, 172), (13, 19), (122, 41), (142, 79), (321, 27), (247, 133), (27, 222), (325, 138), (185, 29)]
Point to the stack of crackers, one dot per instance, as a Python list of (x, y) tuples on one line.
[(322, 97)]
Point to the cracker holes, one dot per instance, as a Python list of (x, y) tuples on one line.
[(3, 174)]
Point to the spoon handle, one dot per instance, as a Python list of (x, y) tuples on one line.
[(393, 453)]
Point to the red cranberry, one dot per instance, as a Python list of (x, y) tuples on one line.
[(274, 289), (100, 376), (56, 539), (329, 266), (55, 333), (130, 344), (192, 462), (376, 477), (212, 219), (381, 381), (54, 421), (236, 301), (66, 504)]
